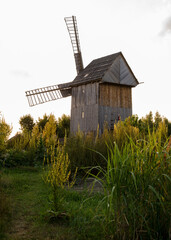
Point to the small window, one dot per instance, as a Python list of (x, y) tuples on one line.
[(82, 114)]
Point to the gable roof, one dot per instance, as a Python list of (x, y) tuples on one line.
[(96, 69), (99, 69)]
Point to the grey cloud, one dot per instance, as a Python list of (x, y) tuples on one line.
[(20, 73), (166, 27)]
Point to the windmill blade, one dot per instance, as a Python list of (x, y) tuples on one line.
[(71, 23), (46, 94)]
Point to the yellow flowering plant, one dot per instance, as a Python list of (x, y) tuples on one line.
[(58, 175)]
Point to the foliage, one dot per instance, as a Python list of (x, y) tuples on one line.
[(137, 188), (15, 140), (49, 132), (24, 186), (21, 150), (42, 122), (14, 158), (122, 130), (150, 123), (26, 123), (40, 152), (79, 148), (46, 131), (31, 146), (5, 131), (58, 175), (132, 162), (63, 126)]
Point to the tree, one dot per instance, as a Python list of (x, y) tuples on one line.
[(63, 125), (26, 123), (149, 120), (157, 119), (5, 131), (42, 122), (49, 132)]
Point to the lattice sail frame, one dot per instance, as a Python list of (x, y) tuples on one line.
[(72, 27), (46, 94), (51, 93)]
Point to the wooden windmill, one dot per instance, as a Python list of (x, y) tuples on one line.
[(101, 92)]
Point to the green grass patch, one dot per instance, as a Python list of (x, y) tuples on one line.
[(31, 200)]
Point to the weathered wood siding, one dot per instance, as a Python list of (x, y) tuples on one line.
[(95, 103), (84, 108), (114, 101), (110, 115), (120, 73), (115, 96), (126, 77)]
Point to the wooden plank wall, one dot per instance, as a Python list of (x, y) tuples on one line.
[(114, 101), (120, 73), (99, 103), (84, 100), (110, 115), (126, 78), (115, 96), (113, 74)]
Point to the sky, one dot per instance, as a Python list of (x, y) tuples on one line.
[(35, 50)]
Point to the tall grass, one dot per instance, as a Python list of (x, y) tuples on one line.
[(79, 148), (136, 185)]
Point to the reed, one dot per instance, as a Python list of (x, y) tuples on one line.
[(136, 186)]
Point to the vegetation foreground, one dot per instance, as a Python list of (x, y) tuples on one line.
[(40, 197), (30, 204)]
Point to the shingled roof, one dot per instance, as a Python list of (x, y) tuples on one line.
[(94, 71)]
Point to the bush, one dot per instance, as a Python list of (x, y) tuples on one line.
[(5, 131), (15, 158)]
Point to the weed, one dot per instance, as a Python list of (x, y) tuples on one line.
[(57, 176)]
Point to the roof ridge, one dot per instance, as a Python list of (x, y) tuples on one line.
[(110, 55)]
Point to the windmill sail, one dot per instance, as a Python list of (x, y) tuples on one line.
[(71, 23), (46, 94), (50, 93)]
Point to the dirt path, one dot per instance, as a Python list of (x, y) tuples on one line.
[(20, 229)]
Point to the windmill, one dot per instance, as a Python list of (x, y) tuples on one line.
[(101, 92)]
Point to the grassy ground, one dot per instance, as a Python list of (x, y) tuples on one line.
[(29, 203)]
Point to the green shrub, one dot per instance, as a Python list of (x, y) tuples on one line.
[(15, 158), (5, 131)]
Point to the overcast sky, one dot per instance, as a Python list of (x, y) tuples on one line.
[(35, 50)]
